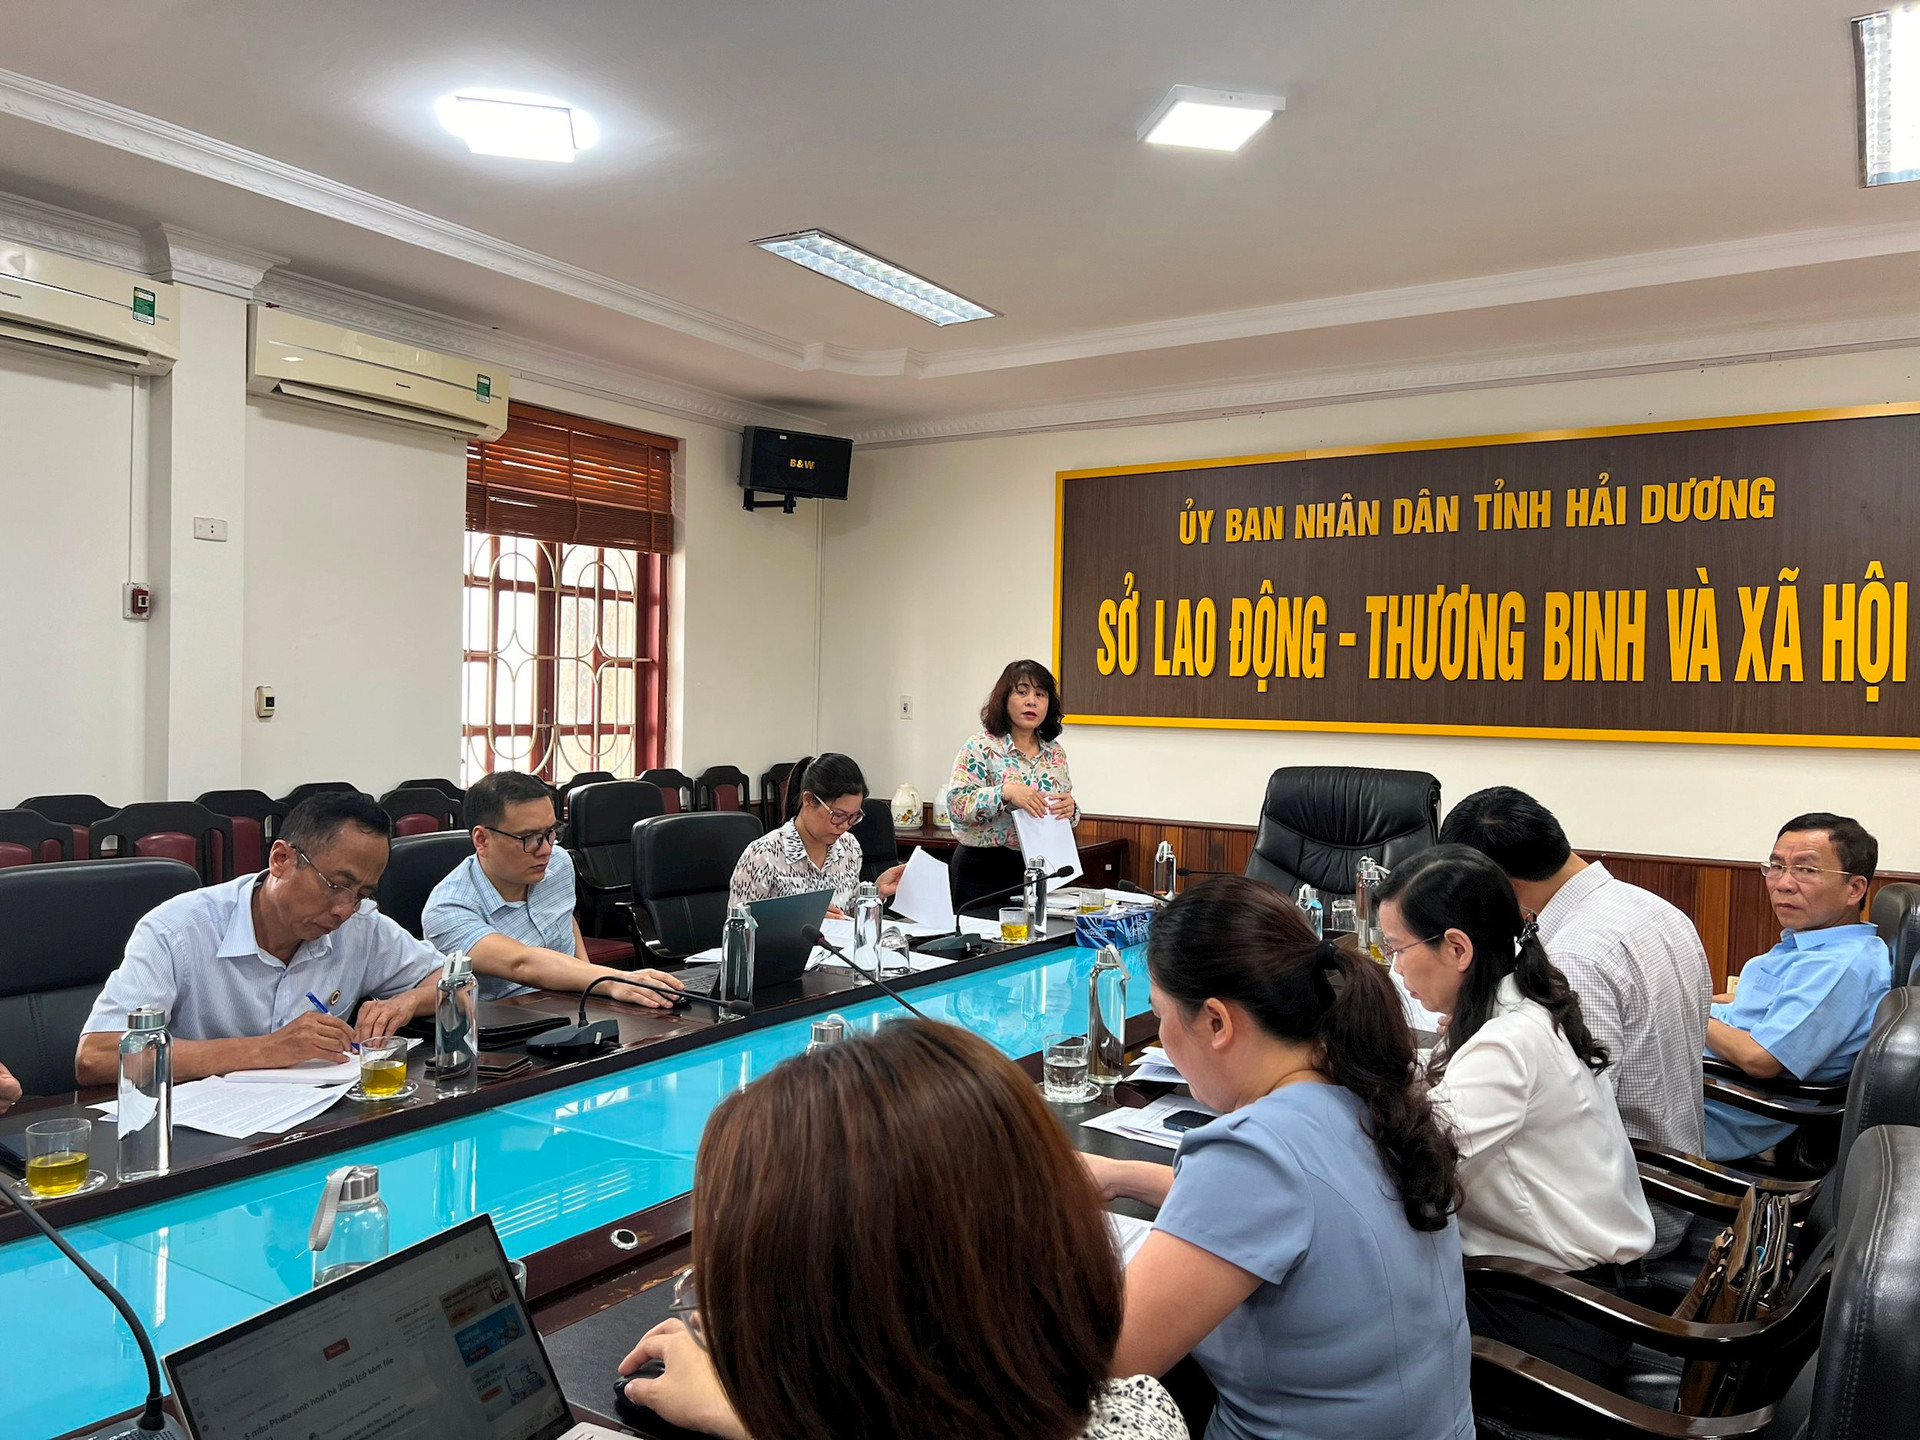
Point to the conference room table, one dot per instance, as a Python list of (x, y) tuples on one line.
[(586, 1169)]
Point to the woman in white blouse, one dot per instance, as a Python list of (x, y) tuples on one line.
[(1546, 1168)]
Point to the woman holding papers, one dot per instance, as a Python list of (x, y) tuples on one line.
[(1014, 764), (857, 1276), (816, 849), (1305, 1252), (1547, 1172)]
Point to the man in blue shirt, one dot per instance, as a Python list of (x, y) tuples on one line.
[(1804, 1008), (510, 905)]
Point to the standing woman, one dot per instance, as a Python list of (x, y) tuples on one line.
[(1014, 762)]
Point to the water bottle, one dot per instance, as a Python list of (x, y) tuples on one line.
[(736, 956), (350, 1225), (146, 1095), (828, 1031), (1367, 878), (1165, 870), (1033, 898), (1309, 902), (1107, 1019), (866, 929), (456, 1028)]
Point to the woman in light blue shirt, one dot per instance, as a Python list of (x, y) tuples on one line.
[(1305, 1251)]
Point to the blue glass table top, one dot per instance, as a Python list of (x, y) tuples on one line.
[(546, 1168)]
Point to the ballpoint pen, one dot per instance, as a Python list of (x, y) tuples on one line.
[(321, 1006)]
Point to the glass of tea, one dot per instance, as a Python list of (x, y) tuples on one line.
[(383, 1069), (1013, 926), (57, 1156)]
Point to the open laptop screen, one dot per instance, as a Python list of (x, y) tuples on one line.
[(431, 1342)]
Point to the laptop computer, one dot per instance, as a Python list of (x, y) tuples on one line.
[(431, 1342), (780, 947)]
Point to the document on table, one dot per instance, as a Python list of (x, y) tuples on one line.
[(307, 1072), (1149, 1122), (1049, 839), (926, 892), (1154, 1065), (237, 1111), (1129, 1233)]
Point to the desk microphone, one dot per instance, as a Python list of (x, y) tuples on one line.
[(1132, 889), (153, 1421), (813, 936), (580, 1041)]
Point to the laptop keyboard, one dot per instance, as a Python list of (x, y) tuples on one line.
[(699, 978)]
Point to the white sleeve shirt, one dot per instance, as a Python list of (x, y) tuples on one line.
[(1546, 1170), (197, 958)]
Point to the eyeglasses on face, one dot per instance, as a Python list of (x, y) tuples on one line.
[(531, 840), (1804, 874), (1392, 953), (335, 891), (842, 819), (686, 1307)]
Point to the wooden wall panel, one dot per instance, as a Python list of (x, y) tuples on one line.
[(1726, 899)]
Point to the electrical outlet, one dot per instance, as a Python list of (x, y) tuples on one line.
[(206, 527), (905, 710)]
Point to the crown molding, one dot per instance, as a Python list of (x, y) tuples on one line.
[(108, 124), (1476, 373), (186, 257), (68, 232)]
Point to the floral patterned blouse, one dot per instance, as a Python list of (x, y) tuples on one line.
[(980, 816), (777, 865)]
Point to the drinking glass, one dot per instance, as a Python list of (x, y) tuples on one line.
[(1013, 925), (1063, 1068), (1344, 918), (383, 1068), (57, 1156)]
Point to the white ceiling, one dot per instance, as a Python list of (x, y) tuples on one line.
[(1457, 193)]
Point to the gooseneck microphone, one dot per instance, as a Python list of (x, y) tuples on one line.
[(732, 1007), (152, 1421), (1132, 889), (580, 1041), (813, 936)]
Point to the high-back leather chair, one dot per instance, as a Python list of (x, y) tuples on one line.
[(723, 787), (28, 838), (77, 811), (170, 830), (879, 845), (563, 794), (1317, 821), (682, 866), (66, 929), (420, 810), (600, 821), (319, 787), (416, 864), (1893, 913), (256, 818), (676, 790)]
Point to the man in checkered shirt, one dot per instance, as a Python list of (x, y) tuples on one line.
[(1634, 960)]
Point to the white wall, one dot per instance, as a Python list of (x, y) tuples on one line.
[(353, 599), (72, 672), (968, 526)]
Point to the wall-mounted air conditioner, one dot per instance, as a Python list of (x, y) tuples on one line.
[(58, 305), (308, 360)]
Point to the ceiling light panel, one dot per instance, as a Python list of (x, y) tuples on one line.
[(1209, 119), (1887, 60), (826, 255), (517, 127)]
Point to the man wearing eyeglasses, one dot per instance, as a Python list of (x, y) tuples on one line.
[(234, 964), (1804, 1008), (510, 904)]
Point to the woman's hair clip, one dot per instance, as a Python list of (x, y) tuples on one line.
[(1327, 955), (1528, 931)]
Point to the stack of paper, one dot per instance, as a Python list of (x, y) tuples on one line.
[(307, 1072), (1049, 840), (237, 1110), (1154, 1065), (1128, 1233), (1150, 1123)]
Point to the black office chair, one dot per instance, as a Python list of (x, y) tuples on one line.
[(79, 812), (446, 787), (415, 865), (563, 794), (1317, 821), (256, 818), (600, 820), (66, 929), (1863, 1382), (682, 866), (1893, 913), (28, 838), (879, 846)]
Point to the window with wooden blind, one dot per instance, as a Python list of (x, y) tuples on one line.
[(569, 529)]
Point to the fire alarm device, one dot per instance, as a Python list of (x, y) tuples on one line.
[(263, 701), (136, 601)]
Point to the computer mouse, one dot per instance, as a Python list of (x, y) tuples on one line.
[(636, 1417)]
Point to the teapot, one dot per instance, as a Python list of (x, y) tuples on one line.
[(906, 807)]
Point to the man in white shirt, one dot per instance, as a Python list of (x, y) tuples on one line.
[(238, 966), (1635, 961)]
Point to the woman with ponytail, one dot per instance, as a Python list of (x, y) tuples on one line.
[(1547, 1172), (1305, 1251)]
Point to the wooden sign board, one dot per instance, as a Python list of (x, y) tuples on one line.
[(1744, 580)]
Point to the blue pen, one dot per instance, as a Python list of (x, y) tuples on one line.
[(321, 1006)]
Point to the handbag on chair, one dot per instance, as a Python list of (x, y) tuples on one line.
[(1745, 1278)]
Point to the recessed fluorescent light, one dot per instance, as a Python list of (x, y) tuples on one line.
[(870, 275), (1209, 119), (520, 127), (1886, 49)]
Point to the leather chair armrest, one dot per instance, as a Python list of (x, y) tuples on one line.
[(1749, 1339), (1723, 1179), (1820, 1092), (1507, 1381), (1750, 1095), (1686, 1193), (646, 943)]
